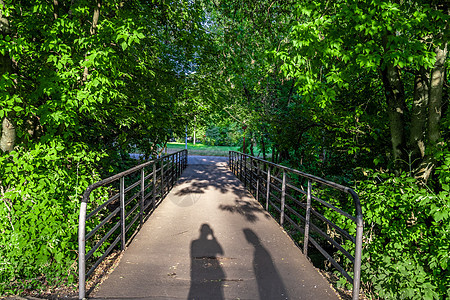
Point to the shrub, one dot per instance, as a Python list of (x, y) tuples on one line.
[(41, 190), (407, 236)]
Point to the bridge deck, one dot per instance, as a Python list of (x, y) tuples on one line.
[(210, 239)]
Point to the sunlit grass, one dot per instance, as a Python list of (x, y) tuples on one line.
[(201, 149)]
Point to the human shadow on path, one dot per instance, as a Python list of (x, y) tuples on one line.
[(270, 284), (207, 274)]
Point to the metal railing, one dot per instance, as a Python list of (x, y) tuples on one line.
[(133, 195), (288, 194)]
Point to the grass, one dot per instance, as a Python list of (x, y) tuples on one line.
[(201, 149)]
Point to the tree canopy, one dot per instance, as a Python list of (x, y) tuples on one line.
[(354, 91)]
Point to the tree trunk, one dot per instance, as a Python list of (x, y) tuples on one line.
[(419, 115), (437, 79), (8, 133), (395, 98), (435, 103), (93, 30)]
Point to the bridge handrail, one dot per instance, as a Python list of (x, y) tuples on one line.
[(161, 179), (250, 174)]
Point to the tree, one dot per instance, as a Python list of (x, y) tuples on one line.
[(403, 42)]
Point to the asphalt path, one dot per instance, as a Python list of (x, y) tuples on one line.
[(210, 239)]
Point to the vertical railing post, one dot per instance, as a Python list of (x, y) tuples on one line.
[(239, 158), (171, 172), (258, 164), (178, 165), (141, 212), (268, 187), (122, 211), (82, 250), (154, 185), (283, 197), (253, 170), (162, 178), (358, 254), (244, 161), (307, 218)]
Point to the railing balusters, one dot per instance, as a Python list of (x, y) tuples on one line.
[(307, 218), (122, 211), (141, 210), (172, 173), (238, 163), (268, 188), (154, 186), (283, 198), (257, 180)]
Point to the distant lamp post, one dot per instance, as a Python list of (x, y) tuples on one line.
[(185, 140), (243, 146)]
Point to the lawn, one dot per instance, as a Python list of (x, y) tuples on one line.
[(201, 149)]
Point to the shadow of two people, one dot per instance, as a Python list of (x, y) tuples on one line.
[(207, 274)]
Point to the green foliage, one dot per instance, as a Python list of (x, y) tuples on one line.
[(39, 207), (78, 93), (223, 134), (406, 242)]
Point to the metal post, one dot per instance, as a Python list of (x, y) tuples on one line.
[(358, 254), (154, 185), (258, 164), (244, 163), (241, 157), (141, 213), (283, 197), (162, 178), (268, 187), (185, 139), (307, 219), (178, 165), (122, 211), (82, 252)]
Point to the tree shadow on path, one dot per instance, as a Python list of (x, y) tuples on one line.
[(270, 284), (207, 274)]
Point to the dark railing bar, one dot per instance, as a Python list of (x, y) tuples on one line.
[(132, 198), (136, 217), (306, 175), (252, 170), (148, 195), (274, 206), (296, 213), (146, 206), (131, 210), (92, 269), (276, 197), (103, 222), (148, 176), (132, 186), (169, 172), (323, 234), (95, 211), (148, 186), (331, 259), (334, 208), (110, 232), (332, 241), (296, 201), (296, 189), (329, 222)]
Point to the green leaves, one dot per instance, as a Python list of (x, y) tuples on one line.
[(406, 255)]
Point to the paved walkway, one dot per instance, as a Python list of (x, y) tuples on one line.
[(210, 239)]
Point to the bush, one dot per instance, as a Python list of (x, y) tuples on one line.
[(407, 236), (41, 190)]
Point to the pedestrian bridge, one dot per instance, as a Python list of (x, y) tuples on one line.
[(204, 236)]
